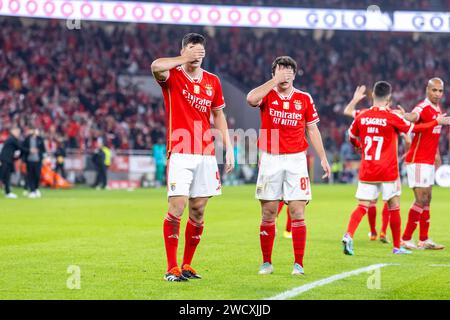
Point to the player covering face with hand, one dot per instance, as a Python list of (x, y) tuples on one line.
[(191, 95), (288, 116)]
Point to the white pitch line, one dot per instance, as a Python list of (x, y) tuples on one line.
[(439, 265), (299, 290)]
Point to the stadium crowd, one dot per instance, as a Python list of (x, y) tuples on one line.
[(66, 82)]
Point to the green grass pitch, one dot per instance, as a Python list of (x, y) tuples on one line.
[(115, 237)]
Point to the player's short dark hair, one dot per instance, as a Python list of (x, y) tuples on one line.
[(284, 61), (382, 89), (193, 38)]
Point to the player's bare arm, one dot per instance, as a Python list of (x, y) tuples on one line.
[(358, 95), (409, 116), (220, 123), (282, 75), (160, 67), (316, 140)]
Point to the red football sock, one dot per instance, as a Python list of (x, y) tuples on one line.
[(267, 237), (192, 235), (424, 223), (299, 240), (385, 218), (171, 233), (395, 221), (355, 219), (372, 217), (413, 219), (288, 221)]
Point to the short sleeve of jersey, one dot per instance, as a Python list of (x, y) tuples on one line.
[(426, 115), (401, 124), (354, 130), (311, 115), (168, 80), (218, 101)]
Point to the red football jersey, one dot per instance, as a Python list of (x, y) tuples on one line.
[(378, 130), (425, 144), (188, 105), (283, 121)]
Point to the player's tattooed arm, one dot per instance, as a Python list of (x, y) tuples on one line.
[(220, 123), (410, 116), (358, 95)]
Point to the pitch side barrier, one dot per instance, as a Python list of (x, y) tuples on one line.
[(372, 19)]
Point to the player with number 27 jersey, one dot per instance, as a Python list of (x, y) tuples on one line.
[(378, 129)]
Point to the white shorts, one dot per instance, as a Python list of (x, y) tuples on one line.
[(371, 191), (193, 175), (283, 177), (420, 175)]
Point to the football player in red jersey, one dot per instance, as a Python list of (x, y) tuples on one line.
[(191, 94), (286, 113), (376, 131), (421, 160), (351, 111)]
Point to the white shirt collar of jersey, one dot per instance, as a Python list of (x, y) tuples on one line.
[(196, 80), (288, 97)]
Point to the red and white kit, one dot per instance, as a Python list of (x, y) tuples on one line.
[(378, 130), (192, 167), (421, 156), (283, 170)]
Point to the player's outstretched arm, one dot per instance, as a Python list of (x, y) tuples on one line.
[(316, 140), (160, 67), (409, 116), (358, 95), (220, 123), (441, 120), (255, 96)]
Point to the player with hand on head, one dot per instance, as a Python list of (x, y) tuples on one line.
[(288, 115), (421, 160), (191, 94), (375, 131)]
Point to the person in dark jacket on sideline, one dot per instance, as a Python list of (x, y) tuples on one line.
[(7, 158), (35, 144)]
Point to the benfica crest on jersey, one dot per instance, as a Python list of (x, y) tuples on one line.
[(209, 90), (297, 104)]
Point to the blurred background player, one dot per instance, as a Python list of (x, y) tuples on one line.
[(286, 113), (7, 158), (421, 160), (375, 131), (34, 144), (191, 94)]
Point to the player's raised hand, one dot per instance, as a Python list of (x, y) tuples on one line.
[(283, 75), (400, 110), (326, 167), (194, 53), (359, 93)]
